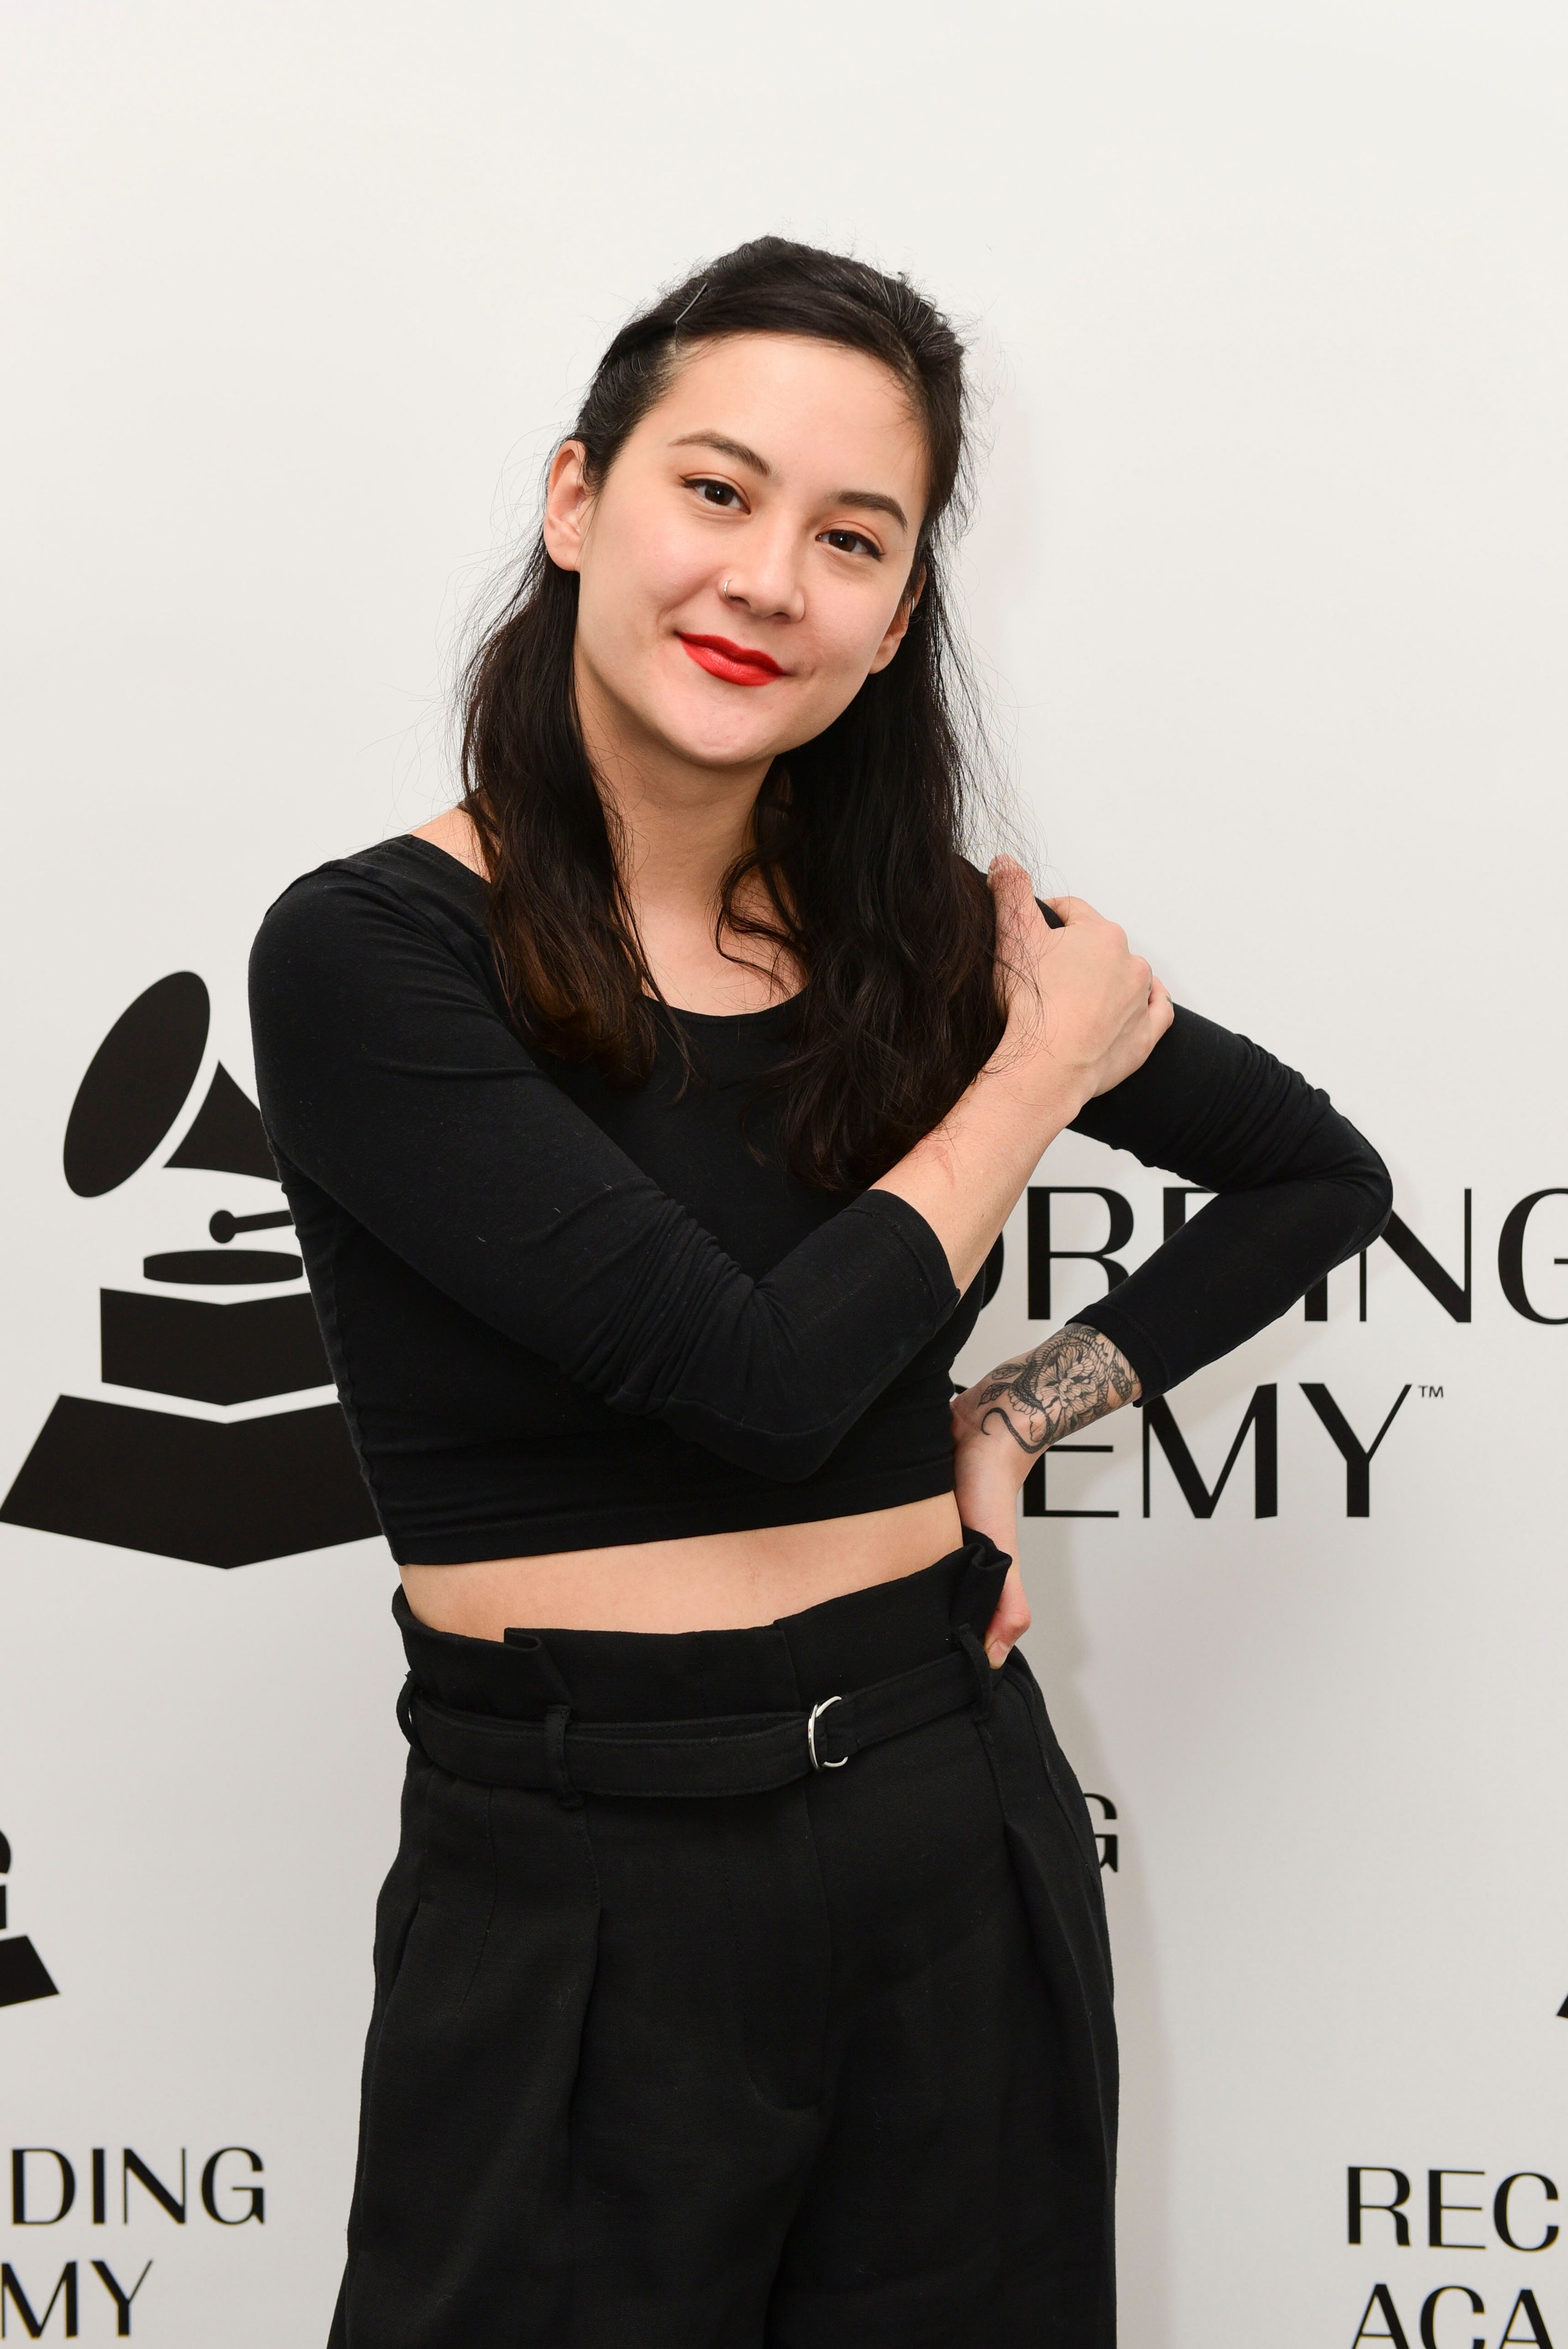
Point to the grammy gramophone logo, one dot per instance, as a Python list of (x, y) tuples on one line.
[(218, 1328)]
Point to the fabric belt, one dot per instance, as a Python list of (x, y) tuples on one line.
[(743, 1753)]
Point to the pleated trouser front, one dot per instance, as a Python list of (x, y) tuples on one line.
[(832, 2067)]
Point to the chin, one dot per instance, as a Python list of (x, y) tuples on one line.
[(712, 735), (724, 751)]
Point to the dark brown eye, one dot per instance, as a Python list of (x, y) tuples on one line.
[(716, 493), (851, 541)]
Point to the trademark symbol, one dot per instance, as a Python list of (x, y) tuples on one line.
[(1432, 1394)]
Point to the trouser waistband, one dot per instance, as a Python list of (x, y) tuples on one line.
[(748, 1754), (592, 1713)]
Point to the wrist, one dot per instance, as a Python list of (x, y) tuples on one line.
[(988, 1452), (1047, 1085), (987, 1485)]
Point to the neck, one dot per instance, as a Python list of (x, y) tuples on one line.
[(680, 827)]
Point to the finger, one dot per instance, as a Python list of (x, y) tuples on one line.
[(1013, 890), (1010, 1622), (1021, 929), (1068, 910)]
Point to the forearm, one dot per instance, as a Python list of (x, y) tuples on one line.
[(1083, 1012), (1009, 1417), (1003, 1424), (967, 1175)]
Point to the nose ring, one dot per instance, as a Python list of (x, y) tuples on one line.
[(723, 593)]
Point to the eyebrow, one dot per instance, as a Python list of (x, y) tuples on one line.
[(868, 501), (728, 448), (873, 502)]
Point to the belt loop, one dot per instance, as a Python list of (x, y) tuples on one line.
[(979, 1664), (406, 1714), (555, 1722), (537, 1670)]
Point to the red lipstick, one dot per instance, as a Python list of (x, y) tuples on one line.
[(740, 664)]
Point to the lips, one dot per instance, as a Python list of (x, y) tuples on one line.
[(736, 664)]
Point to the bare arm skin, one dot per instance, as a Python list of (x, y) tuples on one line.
[(1068, 1383), (1003, 1424), (1083, 1012)]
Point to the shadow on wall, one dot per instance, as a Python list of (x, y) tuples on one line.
[(195, 1483)]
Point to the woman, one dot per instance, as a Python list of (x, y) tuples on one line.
[(650, 1123)]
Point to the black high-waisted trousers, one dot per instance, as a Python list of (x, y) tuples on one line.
[(831, 2067)]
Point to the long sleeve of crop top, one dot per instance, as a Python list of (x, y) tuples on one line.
[(1299, 1191), (389, 1078)]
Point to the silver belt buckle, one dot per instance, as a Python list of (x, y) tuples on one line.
[(813, 1717)]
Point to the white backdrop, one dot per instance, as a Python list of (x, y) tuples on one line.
[(1270, 578)]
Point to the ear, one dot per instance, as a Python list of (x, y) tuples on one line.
[(568, 502), (898, 627)]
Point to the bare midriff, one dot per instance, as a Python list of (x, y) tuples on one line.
[(703, 1582)]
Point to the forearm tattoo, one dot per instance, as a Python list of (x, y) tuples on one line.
[(1074, 1378)]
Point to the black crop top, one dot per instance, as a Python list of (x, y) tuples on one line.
[(560, 1315)]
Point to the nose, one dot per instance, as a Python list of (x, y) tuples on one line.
[(764, 577)]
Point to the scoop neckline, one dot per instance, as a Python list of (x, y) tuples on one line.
[(676, 1010), (731, 1018)]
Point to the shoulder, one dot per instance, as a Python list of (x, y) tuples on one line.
[(454, 835), (401, 898), (408, 874)]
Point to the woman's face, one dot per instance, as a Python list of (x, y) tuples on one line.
[(744, 564)]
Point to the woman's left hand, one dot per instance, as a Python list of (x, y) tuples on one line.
[(988, 1472), (1003, 1424)]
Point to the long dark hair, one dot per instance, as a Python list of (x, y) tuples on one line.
[(858, 835)]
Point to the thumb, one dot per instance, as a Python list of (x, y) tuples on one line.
[(1010, 1622)]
